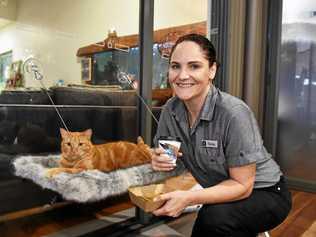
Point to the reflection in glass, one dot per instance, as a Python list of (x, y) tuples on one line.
[(52, 33), (81, 88), (107, 64), (297, 94)]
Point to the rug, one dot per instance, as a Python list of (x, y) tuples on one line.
[(91, 185)]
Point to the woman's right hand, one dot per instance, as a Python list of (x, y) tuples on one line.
[(160, 161)]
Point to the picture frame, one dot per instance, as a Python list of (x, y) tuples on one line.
[(15, 75)]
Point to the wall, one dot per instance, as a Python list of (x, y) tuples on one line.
[(53, 30), (179, 12), (8, 12)]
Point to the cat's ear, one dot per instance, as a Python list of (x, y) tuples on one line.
[(140, 140), (88, 133), (63, 132)]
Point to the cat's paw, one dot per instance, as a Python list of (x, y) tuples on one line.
[(52, 172)]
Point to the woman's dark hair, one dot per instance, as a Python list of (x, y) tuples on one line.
[(206, 46)]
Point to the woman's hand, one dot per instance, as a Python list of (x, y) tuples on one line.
[(175, 203), (160, 161)]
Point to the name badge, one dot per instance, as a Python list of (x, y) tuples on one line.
[(209, 143)]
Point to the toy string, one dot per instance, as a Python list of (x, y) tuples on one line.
[(32, 65), (123, 77)]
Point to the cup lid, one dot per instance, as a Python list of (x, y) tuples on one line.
[(169, 138)]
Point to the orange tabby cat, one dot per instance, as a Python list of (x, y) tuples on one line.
[(78, 154)]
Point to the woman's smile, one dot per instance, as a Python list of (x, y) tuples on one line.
[(184, 84)]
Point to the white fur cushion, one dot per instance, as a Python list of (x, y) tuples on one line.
[(91, 185)]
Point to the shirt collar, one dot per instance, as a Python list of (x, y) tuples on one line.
[(178, 109), (209, 104)]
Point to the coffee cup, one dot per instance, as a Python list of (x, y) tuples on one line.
[(171, 147)]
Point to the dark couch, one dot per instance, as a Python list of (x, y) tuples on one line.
[(29, 116)]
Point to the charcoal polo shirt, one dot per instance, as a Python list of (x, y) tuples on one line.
[(224, 135)]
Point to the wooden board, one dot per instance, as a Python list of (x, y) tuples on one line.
[(133, 40)]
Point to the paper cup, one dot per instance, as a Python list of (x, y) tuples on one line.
[(171, 147)]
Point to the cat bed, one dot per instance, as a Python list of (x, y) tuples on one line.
[(90, 185)]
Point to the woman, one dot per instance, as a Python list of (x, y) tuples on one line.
[(243, 188)]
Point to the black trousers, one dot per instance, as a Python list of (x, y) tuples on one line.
[(263, 210)]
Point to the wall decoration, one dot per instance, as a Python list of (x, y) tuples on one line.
[(15, 75)]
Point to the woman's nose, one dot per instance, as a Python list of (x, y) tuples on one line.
[(184, 74)]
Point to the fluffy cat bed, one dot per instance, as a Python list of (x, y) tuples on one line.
[(87, 186)]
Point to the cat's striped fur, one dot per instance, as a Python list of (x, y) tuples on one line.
[(78, 154)]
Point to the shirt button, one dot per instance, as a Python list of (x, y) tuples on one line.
[(278, 188)]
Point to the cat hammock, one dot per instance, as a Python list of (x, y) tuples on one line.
[(91, 185)]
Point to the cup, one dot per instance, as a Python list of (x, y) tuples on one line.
[(171, 147)]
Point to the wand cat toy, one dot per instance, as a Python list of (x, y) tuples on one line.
[(123, 77), (33, 66)]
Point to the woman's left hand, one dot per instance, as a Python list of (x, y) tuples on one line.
[(175, 203)]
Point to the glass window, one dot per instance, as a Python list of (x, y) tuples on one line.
[(107, 64), (43, 38), (297, 93), (64, 73)]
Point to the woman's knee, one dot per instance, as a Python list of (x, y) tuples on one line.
[(215, 218), (219, 213)]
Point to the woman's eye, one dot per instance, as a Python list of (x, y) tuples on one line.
[(194, 66), (68, 144), (80, 144), (175, 66)]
